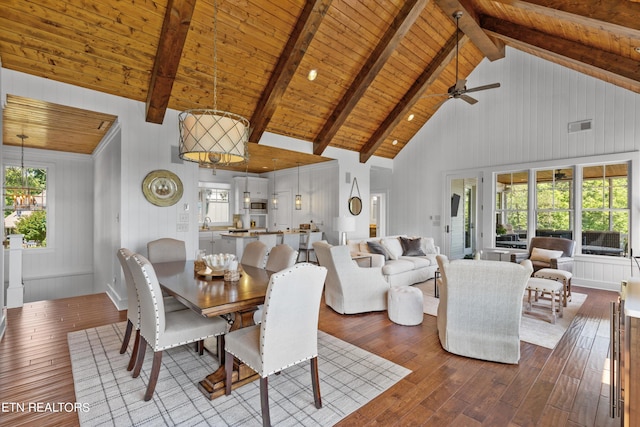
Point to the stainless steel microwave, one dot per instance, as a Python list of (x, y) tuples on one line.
[(258, 206)]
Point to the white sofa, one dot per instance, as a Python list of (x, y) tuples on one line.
[(398, 269)]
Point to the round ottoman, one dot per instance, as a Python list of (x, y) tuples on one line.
[(405, 305)]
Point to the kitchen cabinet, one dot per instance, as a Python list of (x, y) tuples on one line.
[(258, 187), (209, 241)]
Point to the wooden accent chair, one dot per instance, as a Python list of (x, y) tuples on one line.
[(162, 330), (166, 249), (481, 307), (133, 307), (548, 252), (288, 334)]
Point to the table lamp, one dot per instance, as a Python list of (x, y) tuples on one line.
[(344, 224)]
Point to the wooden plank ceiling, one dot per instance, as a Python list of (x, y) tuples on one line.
[(378, 63)]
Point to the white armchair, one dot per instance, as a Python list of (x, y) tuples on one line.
[(481, 307), (350, 288)]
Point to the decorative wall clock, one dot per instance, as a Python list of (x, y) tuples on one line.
[(162, 187)]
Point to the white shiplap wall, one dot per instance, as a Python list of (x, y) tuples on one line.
[(524, 121), (65, 267)]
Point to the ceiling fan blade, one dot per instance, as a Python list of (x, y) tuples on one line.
[(476, 89), (469, 99), (439, 104), (459, 85)]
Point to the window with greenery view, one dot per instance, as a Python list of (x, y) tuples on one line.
[(554, 203), (512, 209), (25, 210), (605, 209)]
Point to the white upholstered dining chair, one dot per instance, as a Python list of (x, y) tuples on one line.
[(288, 334), (255, 254), (133, 307), (166, 249), (163, 330), (279, 258)]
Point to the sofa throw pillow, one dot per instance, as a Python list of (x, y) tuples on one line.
[(377, 248), (393, 246), (544, 255), (428, 245), (411, 246)]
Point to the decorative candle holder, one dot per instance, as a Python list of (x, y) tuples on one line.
[(231, 275)]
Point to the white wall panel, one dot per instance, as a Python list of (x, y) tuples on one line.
[(523, 121)]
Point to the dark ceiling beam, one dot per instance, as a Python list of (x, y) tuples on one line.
[(301, 36), (615, 67), (413, 95), (470, 25), (388, 43), (175, 27), (618, 17)]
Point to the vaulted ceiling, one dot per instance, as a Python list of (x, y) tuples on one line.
[(379, 63)]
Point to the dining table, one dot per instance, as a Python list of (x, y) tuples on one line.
[(213, 296)]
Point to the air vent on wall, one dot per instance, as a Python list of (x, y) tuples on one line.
[(579, 126)]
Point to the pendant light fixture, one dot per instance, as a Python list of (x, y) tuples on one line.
[(212, 137), (274, 198), (247, 194), (24, 197), (298, 201)]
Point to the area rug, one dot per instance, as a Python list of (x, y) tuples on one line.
[(533, 329), (349, 378)]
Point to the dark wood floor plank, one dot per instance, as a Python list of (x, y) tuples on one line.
[(560, 387)]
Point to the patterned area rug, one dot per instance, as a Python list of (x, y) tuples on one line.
[(535, 328), (349, 378)]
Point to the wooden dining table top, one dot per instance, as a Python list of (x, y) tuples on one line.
[(212, 297)]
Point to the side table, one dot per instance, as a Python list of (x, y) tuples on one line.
[(436, 276), (357, 257)]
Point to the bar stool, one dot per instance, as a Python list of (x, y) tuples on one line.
[(306, 244)]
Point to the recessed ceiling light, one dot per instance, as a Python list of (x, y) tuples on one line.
[(637, 49), (394, 142), (411, 116), (312, 75)]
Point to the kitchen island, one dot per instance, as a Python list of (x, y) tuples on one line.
[(234, 243)]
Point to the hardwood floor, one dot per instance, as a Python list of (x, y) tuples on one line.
[(563, 387)]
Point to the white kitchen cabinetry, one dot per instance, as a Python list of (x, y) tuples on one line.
[(258, 187), (210, 241)]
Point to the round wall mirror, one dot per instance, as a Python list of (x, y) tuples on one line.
[(355, 205)]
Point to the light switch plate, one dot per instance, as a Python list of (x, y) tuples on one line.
[(183, 217), (183, 228)]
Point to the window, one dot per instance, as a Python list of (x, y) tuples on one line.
[(554, 203), (586, 202), (25, 209), (512, 209), (605, 209), (213, 203)]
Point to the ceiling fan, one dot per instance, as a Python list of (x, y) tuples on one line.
[(459, 89)]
